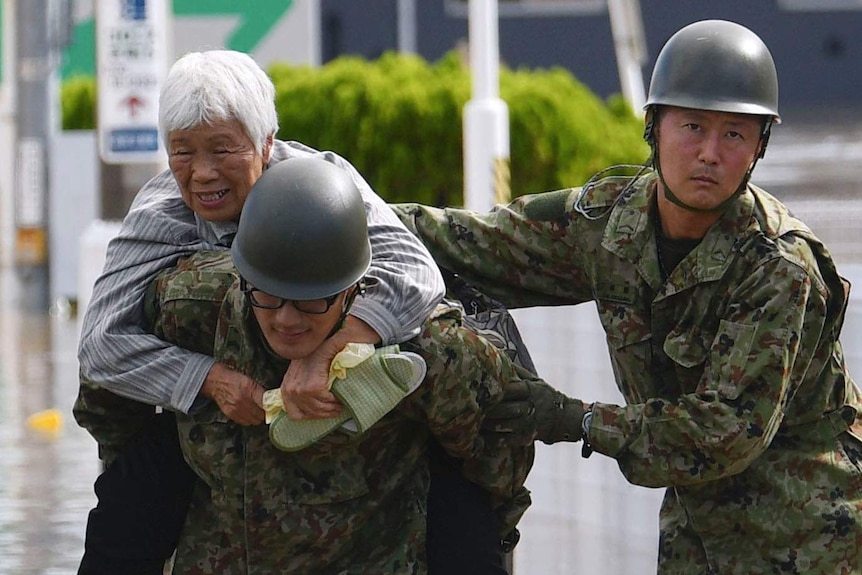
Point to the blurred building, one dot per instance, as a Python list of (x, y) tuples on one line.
[(816, 43)]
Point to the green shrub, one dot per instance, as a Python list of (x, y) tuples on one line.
[(561, 133), (78, 103), (398, 119)]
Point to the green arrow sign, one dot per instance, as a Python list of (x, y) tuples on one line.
[(256, 19)]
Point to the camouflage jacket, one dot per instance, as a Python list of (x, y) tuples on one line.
[(114, 422), (346, 504), (738, 398)]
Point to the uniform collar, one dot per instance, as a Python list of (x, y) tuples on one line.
[(630, 234)]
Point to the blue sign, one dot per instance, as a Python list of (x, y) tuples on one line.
[(134, 140), (133, 9)]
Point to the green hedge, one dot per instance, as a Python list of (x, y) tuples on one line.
[(398, 119), (78, 103)]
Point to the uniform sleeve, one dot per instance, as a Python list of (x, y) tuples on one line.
[(465, 375), (115, 351), (522, 254), (408, 283), (751, 370)]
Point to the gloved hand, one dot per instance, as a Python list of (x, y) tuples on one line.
[(532, 409)]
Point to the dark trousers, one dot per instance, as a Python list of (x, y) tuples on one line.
[(463, 536), (143, 497)]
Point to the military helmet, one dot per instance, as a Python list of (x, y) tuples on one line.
[(715, 65), (303, 232)]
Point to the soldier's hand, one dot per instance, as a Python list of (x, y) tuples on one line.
[(532, 409), (305, 387), (238, 396)]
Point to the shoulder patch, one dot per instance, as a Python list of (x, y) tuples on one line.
[(204, 276), (203, 285), (547, 206), (599, 195)]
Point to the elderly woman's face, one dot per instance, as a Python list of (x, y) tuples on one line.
[(215, 166)]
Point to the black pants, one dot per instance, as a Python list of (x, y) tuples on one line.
[(143, 497), (463, 535)]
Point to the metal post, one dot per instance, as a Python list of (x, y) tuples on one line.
[(33, 114), (630, 47), (486, 116), (407, 26)]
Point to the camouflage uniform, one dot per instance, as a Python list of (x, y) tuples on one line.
[(346, 504), (739, 400)]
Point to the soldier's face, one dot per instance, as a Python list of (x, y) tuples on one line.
[(215, 166), (293, 334), (704, 155)]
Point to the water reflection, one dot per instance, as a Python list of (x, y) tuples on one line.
[(45, 478)]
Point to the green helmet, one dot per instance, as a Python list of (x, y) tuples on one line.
[(303, 232), (716, 65)]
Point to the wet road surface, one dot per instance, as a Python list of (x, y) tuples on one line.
[(45, 478)]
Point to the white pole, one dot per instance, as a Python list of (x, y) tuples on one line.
[(315, 49), (407, 26), (630, 47), (486, 116)]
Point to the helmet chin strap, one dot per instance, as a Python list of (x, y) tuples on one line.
[(360, 288)]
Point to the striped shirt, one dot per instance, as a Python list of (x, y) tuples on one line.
[(116, 352)]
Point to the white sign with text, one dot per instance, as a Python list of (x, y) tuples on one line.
[(131, 54)]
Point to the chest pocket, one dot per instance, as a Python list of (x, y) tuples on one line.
[(729, 355), (687, 352), (327, 472), (622, 318), (628, 336), (238, 462), (710, 361)]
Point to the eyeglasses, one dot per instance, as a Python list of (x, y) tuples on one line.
[(263, 300)]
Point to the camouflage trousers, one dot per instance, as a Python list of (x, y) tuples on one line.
[(797, 512)]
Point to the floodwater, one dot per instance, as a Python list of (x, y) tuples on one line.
[(46, 477)]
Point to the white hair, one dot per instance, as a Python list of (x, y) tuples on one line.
[(203, 87)]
